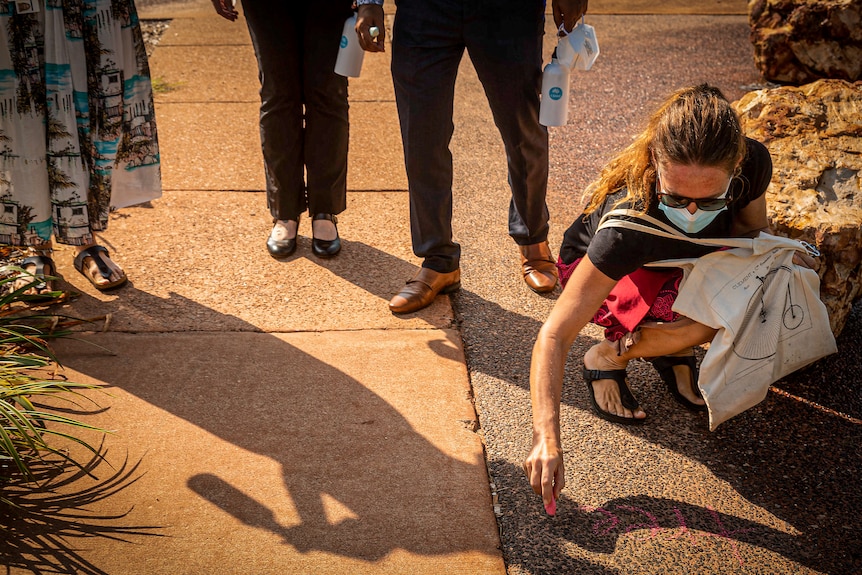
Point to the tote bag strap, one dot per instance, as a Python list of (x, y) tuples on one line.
[(658, 228)]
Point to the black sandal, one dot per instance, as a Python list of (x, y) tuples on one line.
[(105, 271), (664, 366), (628, 400), (44, 274)]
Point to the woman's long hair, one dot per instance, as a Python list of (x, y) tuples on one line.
[(696, 127)]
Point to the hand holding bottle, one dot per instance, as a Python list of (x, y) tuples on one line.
[(370, 17), (568, 12)]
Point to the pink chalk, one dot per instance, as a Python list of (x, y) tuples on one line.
[(551, 508)]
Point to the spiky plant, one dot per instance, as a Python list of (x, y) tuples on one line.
[(27, 426)]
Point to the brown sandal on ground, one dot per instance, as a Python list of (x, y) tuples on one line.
[(104, 270)]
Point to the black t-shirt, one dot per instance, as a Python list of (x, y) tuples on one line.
[(617, 252)]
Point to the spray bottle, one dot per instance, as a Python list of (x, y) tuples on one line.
[(350, 53), (554, 108)]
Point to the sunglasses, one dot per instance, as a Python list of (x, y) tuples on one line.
[(705, 204)]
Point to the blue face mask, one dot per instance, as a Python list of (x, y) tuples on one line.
[(688, 222)]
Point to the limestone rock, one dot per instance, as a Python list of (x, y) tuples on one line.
[(799, 41), (814, 134)]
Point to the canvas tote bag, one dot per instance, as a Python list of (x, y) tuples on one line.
[(767, 311)]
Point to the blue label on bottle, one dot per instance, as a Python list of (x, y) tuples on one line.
[(344, 42), (555, 93)]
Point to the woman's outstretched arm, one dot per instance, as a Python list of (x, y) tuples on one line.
[(585, 291)]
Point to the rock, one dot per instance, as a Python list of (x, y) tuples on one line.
[(799, 41), (814, 134)]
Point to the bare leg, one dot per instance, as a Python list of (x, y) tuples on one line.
[(674, 341), (669, 340)]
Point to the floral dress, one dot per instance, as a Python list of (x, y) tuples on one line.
[(77, 125)]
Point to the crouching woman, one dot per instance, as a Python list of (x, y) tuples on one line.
[(691, 171)]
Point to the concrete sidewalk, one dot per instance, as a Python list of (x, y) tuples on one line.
[(274, 417)]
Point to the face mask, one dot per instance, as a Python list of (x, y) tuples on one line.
[(688, 222)]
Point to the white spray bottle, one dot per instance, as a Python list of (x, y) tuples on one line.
[(554, 107), (350, 53)]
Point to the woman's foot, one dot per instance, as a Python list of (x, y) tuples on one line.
[(324, 228), (679, 372), (40, 269), (282, 239), (325, 242), (94, 263), (606, 392)]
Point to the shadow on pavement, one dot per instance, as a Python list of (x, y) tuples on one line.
[(44, 520), (325, 429), (333, 438), (673, 533)]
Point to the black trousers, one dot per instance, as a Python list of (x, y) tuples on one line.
[(303, 103), (504, 41)]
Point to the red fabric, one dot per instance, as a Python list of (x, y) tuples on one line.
[(643, 295)]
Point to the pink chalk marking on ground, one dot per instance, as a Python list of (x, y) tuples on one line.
[(653, 525), (683, 528), (725, 534), (612, 520)]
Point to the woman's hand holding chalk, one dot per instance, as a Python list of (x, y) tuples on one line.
[(374, 31)]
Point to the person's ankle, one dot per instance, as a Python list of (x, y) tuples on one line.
[(603, 356), (284, 229), (324, 230)]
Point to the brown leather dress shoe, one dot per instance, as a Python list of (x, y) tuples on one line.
[(537, 263), (423, 288)]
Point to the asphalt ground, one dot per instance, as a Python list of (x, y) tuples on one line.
[(771, 491)]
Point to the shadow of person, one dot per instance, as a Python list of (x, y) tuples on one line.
[(666, 522), (335, 438), (670, 532)]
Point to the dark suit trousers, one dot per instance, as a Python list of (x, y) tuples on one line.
[(504, 41), (303, 109)]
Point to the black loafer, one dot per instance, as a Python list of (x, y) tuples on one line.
[(326, 248), (280, 249)]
